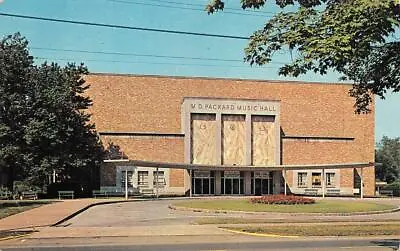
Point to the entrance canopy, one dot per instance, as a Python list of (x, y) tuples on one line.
[(282, 168), (239, 167)]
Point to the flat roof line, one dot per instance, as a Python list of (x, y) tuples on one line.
[(306, 137), (216, 78), (159, 134)]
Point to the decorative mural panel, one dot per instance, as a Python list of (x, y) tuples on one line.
[(204, 139), (233, 139), (263, 140)]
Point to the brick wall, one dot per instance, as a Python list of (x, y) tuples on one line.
[(124, 103), (151, 148), (153, 104)]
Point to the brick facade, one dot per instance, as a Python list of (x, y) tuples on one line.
[(167, 149), (151, 104)]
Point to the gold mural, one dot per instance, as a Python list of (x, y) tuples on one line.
[(233, 140), (204, 139), (263, 140)]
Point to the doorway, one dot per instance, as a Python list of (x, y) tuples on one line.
[(203, 182), (261, 183), (232, 182)]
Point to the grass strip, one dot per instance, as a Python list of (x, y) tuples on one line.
[(320, 206), (323, 230), (237, 220), (8, 208), (5, 235)]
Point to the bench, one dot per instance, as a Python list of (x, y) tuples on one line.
[(386, 192), (115, 193), (148, 191), (333, 191), (107, 193), (29, 195), (99, 193), (311, 191), (65, 194)]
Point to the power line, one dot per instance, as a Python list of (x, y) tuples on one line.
[(179, 7), (144, 55), (136, 54), (122, 26), (225, 8), (157, 63)]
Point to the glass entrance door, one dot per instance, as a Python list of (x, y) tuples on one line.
[(232, 182), (262, 186), (203, 182), (228, 186), (261, 183)]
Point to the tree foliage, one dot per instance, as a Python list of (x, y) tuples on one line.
[(113, 152), (15, 75), (44, 123), (356, 38), (388, 153)]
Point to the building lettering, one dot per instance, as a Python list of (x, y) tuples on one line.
[(233, 107)]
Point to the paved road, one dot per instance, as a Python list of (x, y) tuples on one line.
[(325, 244)]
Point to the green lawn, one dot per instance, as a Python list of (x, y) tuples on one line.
[(239, 220), (13, 234), (8, 208), (321, 206), (324, 230)]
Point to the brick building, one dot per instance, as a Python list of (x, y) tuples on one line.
[(241, 134)]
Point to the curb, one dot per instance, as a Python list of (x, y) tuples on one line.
[(200, 210), (258, 235), (13, 237), (306, 236)]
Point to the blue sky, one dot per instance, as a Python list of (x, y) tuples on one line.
[(161, 14)]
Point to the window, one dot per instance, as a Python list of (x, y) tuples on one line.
[(330, 179), (158, 178), (130, 180), (143, 178), (316, 179), (301, 179)]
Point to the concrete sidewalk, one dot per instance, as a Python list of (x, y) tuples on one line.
[(49, 214), (93, 232)]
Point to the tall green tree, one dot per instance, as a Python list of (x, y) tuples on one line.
[(55, 133), (15, 80), (59, 135), (388, 153), (358, 39)]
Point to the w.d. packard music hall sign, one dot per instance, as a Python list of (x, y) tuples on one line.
[(232, 107)]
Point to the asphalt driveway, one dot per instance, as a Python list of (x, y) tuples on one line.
[(157, 213), (135, 213)]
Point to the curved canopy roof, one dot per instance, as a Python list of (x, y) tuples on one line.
[(156, 164)]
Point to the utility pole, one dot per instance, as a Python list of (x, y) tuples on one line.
[(157, 182), (126, 184)]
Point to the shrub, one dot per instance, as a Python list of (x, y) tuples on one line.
[(21, 186), (280, 199)]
